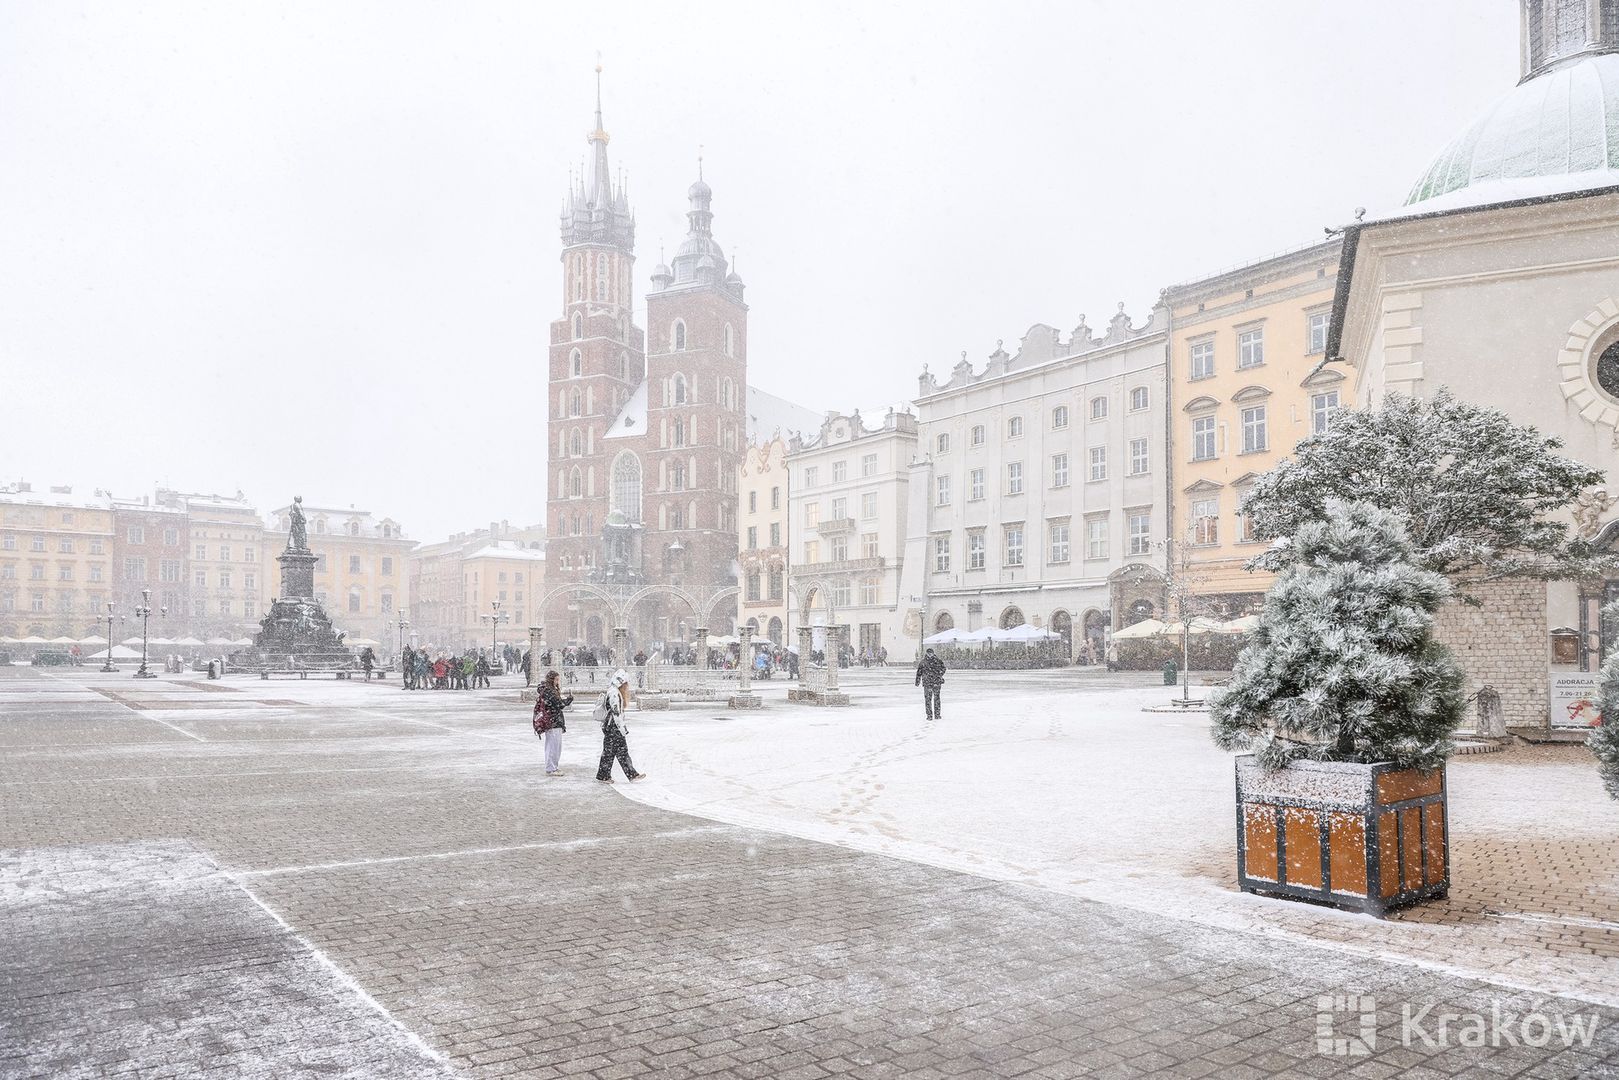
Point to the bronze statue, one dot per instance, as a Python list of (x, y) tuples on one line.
[(299, 540)]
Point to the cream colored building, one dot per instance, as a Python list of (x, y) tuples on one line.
[(453, 582), (361, 578), (231, 580), (764, 539), (57, 556), (1499, 279), (1038, 490), (848, 506), (1242, 348)]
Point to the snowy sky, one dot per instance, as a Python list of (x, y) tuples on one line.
[(313, 247)]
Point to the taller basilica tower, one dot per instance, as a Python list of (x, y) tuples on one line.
[(645, 440)]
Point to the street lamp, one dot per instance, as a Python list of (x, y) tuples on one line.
[(145, 612), (108, 666), (495, 617), (402, 624)]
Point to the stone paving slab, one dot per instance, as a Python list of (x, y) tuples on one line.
[(549, 928), (146, 959)]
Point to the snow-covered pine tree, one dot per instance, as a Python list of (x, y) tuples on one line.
[(1604, 741), (1343, 665), (1479, 494)]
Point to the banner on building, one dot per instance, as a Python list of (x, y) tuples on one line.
[(1574, 699)]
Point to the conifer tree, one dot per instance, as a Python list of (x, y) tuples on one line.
[(1343, 665), (1604, 741)]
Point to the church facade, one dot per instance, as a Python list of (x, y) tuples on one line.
[(646, 427)]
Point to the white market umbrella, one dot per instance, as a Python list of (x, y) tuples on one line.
[(220, 641), (977, 637), (63, 641), (1027, 633), (1239, 626), (33, 639), (118, 653), (10, 641), (1146, 628), (93, 639), (189, 642), (361, 641), (241, 641), (130, 641), (943, 637)]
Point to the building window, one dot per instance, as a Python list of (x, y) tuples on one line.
[(168, 570), (387, 565), (840, 507), (1140, 522), (1251, 348), (941, 493), (812, 476), (1059, 470), (941, 554), (677, 336), (775, 534), (840, 471), (1202, 360), (1098, 463), (576, 407), (837, 549), (868, 546), (95, 571), (868, 504), (38, 543), (1322, 406), (1014, 427), (840, 593), (135, 534), (778, 584), (1316, 331), (812, 514), (64, 572), (95, 547), (1096, 538), (977, 438), (1254, 437), (1014, 478), (64, 546), (1138, 457), (975, 550), (1140, 398), (249, 582), (171, 537), (871, 591), (975, 485), (576, 364), (201, 578), (1203, 439), (36, 571), (224, 579), (354, 564), (354, 601), (942, 443), (1059, 541), (224, 553), (1059, 416), (578, 328), (1014, 545), (730, 342), (1098, 408), (1205, 523), (753, 585), (775, 498), (753, 538)]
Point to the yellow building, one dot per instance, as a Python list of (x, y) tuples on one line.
[(56, 562), (360, 577), (1242, 347), (232, 574), (454, 581), (762, 540)]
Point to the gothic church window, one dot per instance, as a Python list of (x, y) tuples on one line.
[(575, 403), (677, 336), (578, 326), (603, 267), (680, 386), (730, 340), (626, 493), (576, 364)]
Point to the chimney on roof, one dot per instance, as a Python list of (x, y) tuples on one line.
[(61, 489), (23, 485)]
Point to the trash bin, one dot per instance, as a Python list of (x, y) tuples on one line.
[(1172, 672), (213, 669)]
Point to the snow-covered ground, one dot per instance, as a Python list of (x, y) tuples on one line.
[(1063, 783)]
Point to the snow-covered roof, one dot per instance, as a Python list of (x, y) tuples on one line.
[(507, 549), (631, 419), (99, 501), (769, 415)]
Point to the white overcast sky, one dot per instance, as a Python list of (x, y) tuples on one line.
[(313, 247)]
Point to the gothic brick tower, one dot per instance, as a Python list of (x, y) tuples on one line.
[(644, 450)]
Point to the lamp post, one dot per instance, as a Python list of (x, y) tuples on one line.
[(495, 617), (108, 666), (401, 624), (145, 612)]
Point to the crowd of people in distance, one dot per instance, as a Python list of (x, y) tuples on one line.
[(423, 671)]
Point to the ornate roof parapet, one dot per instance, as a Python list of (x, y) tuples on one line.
[(1043, 344)]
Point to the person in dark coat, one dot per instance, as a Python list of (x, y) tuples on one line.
[(481, 671), (930, 677), (550, 720), (368, 660), (528, 667), (615, 729)]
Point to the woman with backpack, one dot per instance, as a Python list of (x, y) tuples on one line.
[(550, 722), (610, 714)]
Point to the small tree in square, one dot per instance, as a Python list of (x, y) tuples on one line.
[(1343, 665), (1604, 741)]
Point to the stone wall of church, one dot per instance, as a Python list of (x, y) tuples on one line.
[(1503, 644)]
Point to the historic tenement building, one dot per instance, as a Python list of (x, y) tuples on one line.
[(647, 428), (1038, 492), (361, 577), (1499, 279), (1243, 348), (58, 563), (764, 536), (848, 507), (454, 584)]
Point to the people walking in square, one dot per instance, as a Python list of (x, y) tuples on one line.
[(930, 677), (482, 672), (615, 746), (550, 720)]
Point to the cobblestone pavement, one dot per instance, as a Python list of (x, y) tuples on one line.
[(521, 926)]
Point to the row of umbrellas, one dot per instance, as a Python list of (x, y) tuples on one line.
[(1017, 635), (1147, 628), (184, 643)]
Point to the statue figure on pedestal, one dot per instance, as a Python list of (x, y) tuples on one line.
[(299, 540)]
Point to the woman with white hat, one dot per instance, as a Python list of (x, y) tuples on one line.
[(610, 712)]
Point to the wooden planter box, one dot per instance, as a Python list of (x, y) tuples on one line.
[(1361, 837)]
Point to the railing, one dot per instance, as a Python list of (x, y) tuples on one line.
[(810, 570), (833, 526)]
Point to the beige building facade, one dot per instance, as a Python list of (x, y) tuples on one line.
[(57, 569), (361, 578), (453, 583), (1244, 346), (764, 540)]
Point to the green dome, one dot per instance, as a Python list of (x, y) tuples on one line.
[(1556, 132)]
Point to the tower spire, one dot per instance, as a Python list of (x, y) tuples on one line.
[(601, 180)]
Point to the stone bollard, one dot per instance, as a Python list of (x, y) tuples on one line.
[(621, 646)]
